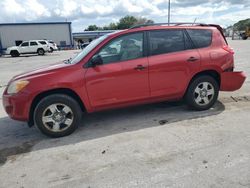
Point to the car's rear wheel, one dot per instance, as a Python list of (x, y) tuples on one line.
[(51, 49), (202, 93), (57, 115), (14, 53), (40, 52)]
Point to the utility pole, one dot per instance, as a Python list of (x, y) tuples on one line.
[(168, 12)]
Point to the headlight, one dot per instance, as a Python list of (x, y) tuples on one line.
[(17, 86)]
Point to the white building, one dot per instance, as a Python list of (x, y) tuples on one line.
[(12, 34)]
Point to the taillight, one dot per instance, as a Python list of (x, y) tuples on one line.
[(228, 49)]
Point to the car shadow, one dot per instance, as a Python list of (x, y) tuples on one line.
[(17, 137), (30, 55)]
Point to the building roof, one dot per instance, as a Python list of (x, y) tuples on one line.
[(34, 23), (90, 34)]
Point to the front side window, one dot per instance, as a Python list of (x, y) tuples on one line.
[(25, 44), (166, 41), (123, 48), (200, 37), (88, 49)]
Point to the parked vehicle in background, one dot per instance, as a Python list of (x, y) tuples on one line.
[(245, 34), (28, 47), (52, 46), (145, 64), (84, 45), (45, 43)]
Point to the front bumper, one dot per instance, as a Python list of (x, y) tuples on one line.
[(231, 81), (17, 106)]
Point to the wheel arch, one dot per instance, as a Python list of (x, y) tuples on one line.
[(14, 50), (210, 72), (43, 94), (39, 49)]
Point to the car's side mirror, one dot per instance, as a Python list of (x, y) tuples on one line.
[(96, 60)]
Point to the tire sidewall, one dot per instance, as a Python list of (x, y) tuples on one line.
[(190, 93), (14, 53), (57, 98), (40, 52)]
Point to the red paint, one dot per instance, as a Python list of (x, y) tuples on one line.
[(231, 81), (164, 77)]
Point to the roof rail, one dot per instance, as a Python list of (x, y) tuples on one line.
[(169, 24)]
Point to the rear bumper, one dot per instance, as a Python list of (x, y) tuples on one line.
[(231, 81)]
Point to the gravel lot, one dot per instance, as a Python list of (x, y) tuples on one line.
[(157, 145)]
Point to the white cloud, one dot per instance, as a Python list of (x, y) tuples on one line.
[(68, 8), (11, 7), (29, 10), (102, 12)]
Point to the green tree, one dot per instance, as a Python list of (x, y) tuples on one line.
[(92, 28), (111, 26), (141, 20), (126, 22), (242, 24)]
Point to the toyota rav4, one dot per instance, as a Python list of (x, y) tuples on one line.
[(144, 64)]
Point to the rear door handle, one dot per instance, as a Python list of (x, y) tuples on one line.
[(192, 59), (140, 67)]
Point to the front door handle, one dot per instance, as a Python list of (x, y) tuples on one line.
[(139, 67), (192, 59)]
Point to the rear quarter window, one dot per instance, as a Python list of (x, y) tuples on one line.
[(42, 42), (201, 37)]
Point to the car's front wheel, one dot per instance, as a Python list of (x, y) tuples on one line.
[(202, 93), (57, 115), (14, 53)]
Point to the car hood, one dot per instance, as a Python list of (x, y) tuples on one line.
[(42, 71), (12, 48)]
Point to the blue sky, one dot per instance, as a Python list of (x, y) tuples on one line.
[(101, 12)]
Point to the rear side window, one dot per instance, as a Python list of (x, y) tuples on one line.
[(42, 42), (166, 41), (200, 37), (33, 44)]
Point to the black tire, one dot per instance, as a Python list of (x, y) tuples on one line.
[(244, 36), (51, 50), (191, 96), (14, 53), (40, 51), (53, 99)]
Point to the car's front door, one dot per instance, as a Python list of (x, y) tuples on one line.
[(172, 61), (123, 75), (24, 47)]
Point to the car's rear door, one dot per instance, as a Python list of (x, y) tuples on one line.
[(123, 76), (172, 60), (33, 47)]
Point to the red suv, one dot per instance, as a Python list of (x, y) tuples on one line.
[(140, 65)]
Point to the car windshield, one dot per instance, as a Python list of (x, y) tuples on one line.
[(86, 50)]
